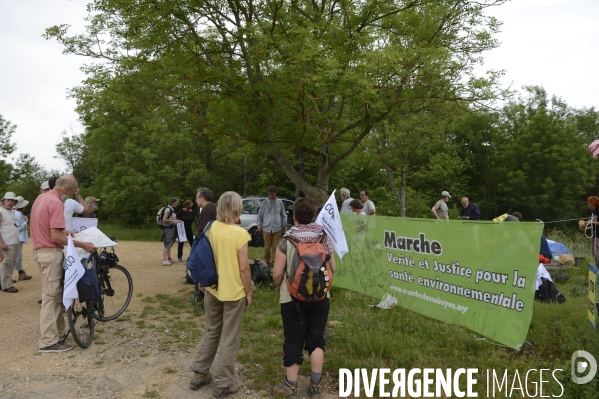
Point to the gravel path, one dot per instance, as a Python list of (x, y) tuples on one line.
[(126, 365)]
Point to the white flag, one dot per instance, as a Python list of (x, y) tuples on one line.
[(181, 232), (73, 272), (330, 220)]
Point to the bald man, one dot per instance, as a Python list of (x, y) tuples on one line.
[(49, 237), (469, 210)]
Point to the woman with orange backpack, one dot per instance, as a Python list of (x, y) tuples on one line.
[(304, 251)]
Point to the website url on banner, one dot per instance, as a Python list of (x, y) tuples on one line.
[(436, 301)]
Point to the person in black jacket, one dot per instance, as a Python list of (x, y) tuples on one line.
[(186, 215), (469, 210)]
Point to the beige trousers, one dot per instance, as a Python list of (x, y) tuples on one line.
[(8, 266), (223, 322), (270, 245), (49, 261)]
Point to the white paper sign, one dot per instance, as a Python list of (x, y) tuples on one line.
[(181, 232), (96, 237), (80, 224), (73, 272), (331, 221)]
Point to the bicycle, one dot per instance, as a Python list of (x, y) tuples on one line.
[(116, 287)]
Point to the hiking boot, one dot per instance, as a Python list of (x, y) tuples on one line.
[(315, 388), (230, 390), (287, 390), (57, 347), (24, 276), (166, 263), (11, 290), (198, 380)]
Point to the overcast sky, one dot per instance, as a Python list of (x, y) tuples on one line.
[(553, 43)]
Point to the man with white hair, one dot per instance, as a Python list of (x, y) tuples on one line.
[(346, 199), (9, 239), (92, 202), (48, 237)]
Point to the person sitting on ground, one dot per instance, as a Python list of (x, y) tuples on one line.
[(356, 207), (225, 304), (303, 322)]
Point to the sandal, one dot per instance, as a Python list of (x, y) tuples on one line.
[(11, 290)]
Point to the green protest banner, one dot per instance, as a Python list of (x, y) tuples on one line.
[(480, 275)]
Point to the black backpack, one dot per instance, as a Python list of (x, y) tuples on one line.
[(257, 239), (261, 273), (548, 292)]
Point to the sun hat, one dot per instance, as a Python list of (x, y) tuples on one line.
[(22, 202), (45, 186), (445, 194), (10, 195)]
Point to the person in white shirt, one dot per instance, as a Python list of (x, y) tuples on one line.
[(368, 207), (71, 206), (346, 199)]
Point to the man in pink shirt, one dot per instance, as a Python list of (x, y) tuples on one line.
[(48, 237)]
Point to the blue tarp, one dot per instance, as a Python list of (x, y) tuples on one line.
[(557, 248)]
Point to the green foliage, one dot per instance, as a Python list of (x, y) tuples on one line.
[(301, 83), (7, 129)]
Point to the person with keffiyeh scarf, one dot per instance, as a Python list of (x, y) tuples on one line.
[(303, 322)]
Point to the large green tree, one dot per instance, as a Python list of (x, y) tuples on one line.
[(304, 82)]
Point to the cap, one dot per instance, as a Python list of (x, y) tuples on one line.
[(445, 194), (92, 199), (45, 186), (22, 203), (10, 196)]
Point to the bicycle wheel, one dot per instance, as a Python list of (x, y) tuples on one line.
[(117, 289), (81, 322)]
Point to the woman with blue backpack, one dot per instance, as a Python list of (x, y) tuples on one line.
[(226, 301)]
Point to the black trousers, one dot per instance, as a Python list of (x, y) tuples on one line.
[(303, 326), (189, 235)]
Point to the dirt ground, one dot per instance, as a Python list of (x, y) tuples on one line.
[(124, 366)]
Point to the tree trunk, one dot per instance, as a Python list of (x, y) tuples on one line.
[(398, 195)]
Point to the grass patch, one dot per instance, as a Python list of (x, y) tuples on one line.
[(170, 370), (99, 342), (98, 362), (150, 394), (144, 354), (125, 233)]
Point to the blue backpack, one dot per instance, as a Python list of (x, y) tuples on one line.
[(200, 264)]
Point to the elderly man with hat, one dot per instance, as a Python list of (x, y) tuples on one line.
[(440, 209), (23, 237), (92, 203), (9, 239), (44, 187)]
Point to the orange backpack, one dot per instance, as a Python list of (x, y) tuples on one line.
[(312, 278)]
